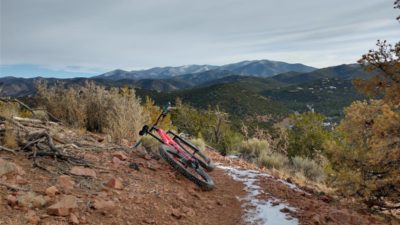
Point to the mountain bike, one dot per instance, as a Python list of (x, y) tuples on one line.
[(182, 155)]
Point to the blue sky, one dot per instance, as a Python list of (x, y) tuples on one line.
[(69, 38)]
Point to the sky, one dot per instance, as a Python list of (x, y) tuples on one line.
[(69, 38)]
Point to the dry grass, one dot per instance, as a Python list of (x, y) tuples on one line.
[(273, 160), (254, 147), (308, 168), (116, 111), (199, 142), (9, 109), (150, 144), (10, 139)]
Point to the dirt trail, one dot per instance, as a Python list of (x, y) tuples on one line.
[(133, 187)]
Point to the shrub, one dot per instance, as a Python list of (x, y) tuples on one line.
[(259, 152), (8, 110), (199, 142), (64, 103), (254, 147), (365, 153), (212, 124), (273, 160), (150, 144), (307, 136), (125, 116), (10, 139), (115, 111), (309, 168)]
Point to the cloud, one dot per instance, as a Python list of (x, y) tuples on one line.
[(100, 35)]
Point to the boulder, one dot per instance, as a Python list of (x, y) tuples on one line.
[(83, 171), (64, 207)]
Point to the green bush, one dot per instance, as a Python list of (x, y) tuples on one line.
[(307, 136), (211, 124)]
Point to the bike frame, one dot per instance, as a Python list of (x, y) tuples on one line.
[(164, 138)]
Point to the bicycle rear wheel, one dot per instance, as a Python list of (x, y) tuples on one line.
[(194, 173)]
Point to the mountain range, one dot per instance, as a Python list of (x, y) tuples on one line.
[(262, 68), (245, 90)]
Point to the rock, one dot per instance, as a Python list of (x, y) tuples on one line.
[(116, 161), (134, 166), (73, 219), (21, 181), (103, 205), (11, 200), (32, 218), (64, 207), (153, 166), (66, 182), (340, 217), (91, 157), (176, 214), (51, 191), (289, 180), (188, 211), (326, 198), (275, 203), (9, 168), (285, 210), (147, 157), (149, 221), (83, 171), (31, 200), (316, 220), (120, 155), (115, 183)]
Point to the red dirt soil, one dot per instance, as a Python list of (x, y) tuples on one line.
[(154, 194)]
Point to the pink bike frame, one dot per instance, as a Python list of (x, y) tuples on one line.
[(168, 141)]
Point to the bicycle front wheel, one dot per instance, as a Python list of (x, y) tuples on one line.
[(194, 173)]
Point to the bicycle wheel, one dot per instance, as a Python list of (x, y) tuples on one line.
[(204, 161), (194, 173)]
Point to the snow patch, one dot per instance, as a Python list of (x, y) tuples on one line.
[(259, 211)]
